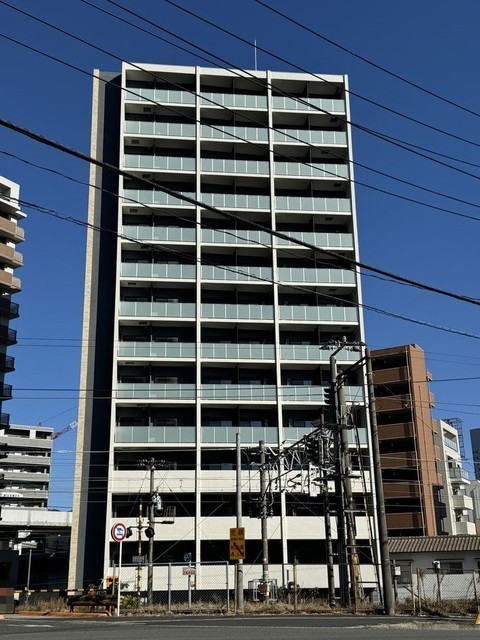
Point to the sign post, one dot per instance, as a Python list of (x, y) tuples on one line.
[(119, 533)]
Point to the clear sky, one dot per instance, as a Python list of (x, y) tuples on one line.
[(433, 44)]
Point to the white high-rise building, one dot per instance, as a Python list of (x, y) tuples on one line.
[(196, 326)]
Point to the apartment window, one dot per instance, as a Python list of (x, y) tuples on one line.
[(451, 566), (405, 576)]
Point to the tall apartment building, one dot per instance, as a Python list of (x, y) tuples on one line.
[(457, 503), (202, 325), (410, 455), (475, 442), (10, 235)]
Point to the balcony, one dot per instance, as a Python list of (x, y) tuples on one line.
[(236, 201), (160, 129), (170, 96), (177, 310), (7, 363), (394, 403), (237, 312), (451, 444), (155, 391), (160, 350), (237, 100), (410, 520), (11, 231), (316, 394), (9, 256), (281, 103), (317, 276), (154, 434), (465, 528), (327, 240), (236, 167), (159, 163), (395, 374), (401, 490), (458, 475), (311, 170), (462, 501), (211, 351), (397, 431), (7, 336), (239, 392), (8, 308), (26, 443), (402, 460), (151, 197), (4, 420), (248, 435), (236, 237), (160, 234), (250, 274), (5, 391), (316, 137), (233, 133), (158, 270), (313, 204), (315, 353), (9, 282), (341, 315)]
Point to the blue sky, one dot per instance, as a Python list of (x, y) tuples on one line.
[(433, 44)]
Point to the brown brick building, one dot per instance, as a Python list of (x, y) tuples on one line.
[(406, 432)]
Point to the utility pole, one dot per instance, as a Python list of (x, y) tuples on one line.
[(339, 485), (239, 522), (388, 595), (264, 514), (325, 443), (139, 552)]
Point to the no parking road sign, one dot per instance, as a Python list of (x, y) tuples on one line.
[(119, 532)]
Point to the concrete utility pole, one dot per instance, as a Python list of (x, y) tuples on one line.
[(239, 522), (388, 594), (263, 512)]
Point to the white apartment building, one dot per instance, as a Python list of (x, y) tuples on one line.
[(198, 326), (458, 504)]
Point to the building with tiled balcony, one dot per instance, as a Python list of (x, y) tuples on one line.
[(407, 432), (10, 259), (198, 326)]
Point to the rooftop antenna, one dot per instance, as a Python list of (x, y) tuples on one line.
[(255, 49)]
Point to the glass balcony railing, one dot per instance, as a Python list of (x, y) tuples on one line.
[(240, 236), (220, 351), (125, 434), (318, 314), (248, 435), (239, 392), (149, 196), (304, 393), (295, 433), (324, 104), (173, 96), (155, 391), (314, 352), (316, 276), (330, 240), (156, 350), (166, 163), (299, 203), (237, 312), (228, 132), (451, 444), (312, 170), (157, 309), (458, 473), (160, 234), (253, 274), (158, 270), (236, 201), (238, 100), (162, 129), (219, 165), (296, 136)]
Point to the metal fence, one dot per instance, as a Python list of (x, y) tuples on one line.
[(430, 590), (176, 587)]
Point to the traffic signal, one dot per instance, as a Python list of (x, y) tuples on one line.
[(312, 449), (330, 403)]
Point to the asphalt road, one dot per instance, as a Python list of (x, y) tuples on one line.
[(245, 628)]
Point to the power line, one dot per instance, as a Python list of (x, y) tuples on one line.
[(368, 61)]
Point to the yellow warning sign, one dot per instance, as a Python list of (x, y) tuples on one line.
[(237, 543)]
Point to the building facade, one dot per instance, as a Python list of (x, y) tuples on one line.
[(10, 259), (455, 494), (198, 326), (409, 454), (475, 442)]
